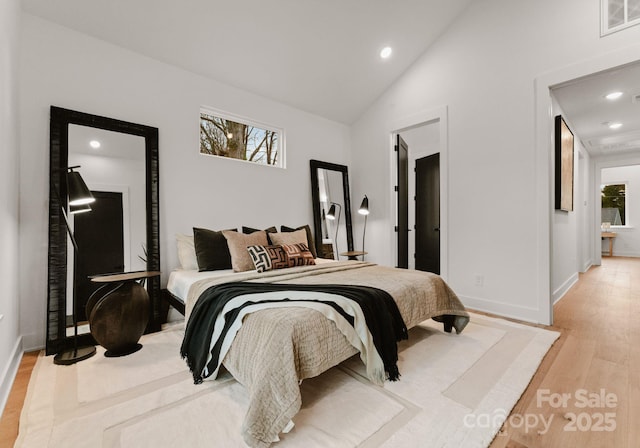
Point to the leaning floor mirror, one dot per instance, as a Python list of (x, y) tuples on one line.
[(331, 209), (118, 161)]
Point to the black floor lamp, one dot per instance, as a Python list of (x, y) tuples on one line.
[(79, 199), (332, 216), (364, 210)]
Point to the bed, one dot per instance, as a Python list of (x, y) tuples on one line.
[(296, 343)]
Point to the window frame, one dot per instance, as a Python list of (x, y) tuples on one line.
[(626, 200), (281, 160), (604, 19)]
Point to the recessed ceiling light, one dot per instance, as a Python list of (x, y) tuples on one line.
[(385, 52), (613, 95), (95, 144), (615, 125)]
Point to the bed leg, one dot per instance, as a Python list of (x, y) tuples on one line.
[(448, 323)]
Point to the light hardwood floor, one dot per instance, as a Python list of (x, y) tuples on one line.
[(597, 352)]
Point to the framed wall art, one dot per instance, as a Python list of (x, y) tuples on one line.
[(564, 165)]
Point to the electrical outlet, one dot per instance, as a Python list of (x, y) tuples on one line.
[(478, 280)]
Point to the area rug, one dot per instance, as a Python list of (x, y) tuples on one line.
[(449, 383)]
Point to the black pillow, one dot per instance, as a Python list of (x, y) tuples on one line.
[(212, 251), (269, 230), (310, 243), (248, 230)]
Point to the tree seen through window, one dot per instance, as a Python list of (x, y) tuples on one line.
[(227, 138), (613, 204)]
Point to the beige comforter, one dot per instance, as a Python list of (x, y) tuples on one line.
[(276, 348)]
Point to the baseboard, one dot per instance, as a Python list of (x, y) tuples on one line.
[(9, 374), (562, 290), (32, 342), (522, 313), (587, 266), (622, 253)]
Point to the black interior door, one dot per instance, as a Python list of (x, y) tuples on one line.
[(100, 238), (402, 150), (428, 213)]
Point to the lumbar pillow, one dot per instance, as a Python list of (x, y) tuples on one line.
[(211, 249), (310, 241), (238, 243), (266, 258), (187, 252)]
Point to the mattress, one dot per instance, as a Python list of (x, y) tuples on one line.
[(180, 280)]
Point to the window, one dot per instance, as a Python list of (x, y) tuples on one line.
[(619, 14), (613, 204), (224, 135)]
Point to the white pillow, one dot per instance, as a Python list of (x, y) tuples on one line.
[(187, 252)]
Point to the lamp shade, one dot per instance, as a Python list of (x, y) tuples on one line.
[(75, 209), (364, 207), (331, 214), (79, 194)]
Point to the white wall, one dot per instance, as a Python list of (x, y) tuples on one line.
[(571, 230), (64, 68), (10, 342), (484, 69), (627, 243)]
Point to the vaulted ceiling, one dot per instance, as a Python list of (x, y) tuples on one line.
[(321, 56)]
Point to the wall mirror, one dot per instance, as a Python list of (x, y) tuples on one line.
[(119, 163), (331, 209)]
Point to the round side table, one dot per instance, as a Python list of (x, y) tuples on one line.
[(118, 311), (354, 254)]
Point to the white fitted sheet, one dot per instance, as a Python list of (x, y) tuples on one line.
[(181, 280)]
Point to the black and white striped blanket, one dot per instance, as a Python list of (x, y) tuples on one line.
[(368, 317)]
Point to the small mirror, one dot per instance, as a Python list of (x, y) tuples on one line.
[(331, 209)]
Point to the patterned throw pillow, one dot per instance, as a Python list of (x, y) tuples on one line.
[(266, 258), (298, 255)]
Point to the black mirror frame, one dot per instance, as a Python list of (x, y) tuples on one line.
[(315, 197), (60, 119)]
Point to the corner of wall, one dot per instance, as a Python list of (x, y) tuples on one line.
[(9, 374)]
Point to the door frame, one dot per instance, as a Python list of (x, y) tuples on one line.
[(126, 232), (438, 115), (543, 141)]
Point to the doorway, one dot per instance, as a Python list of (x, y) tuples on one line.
[(426, 195), (98, 232), (427, 210), (402, 150)]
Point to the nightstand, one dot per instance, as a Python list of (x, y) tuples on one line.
[(119, 310)]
